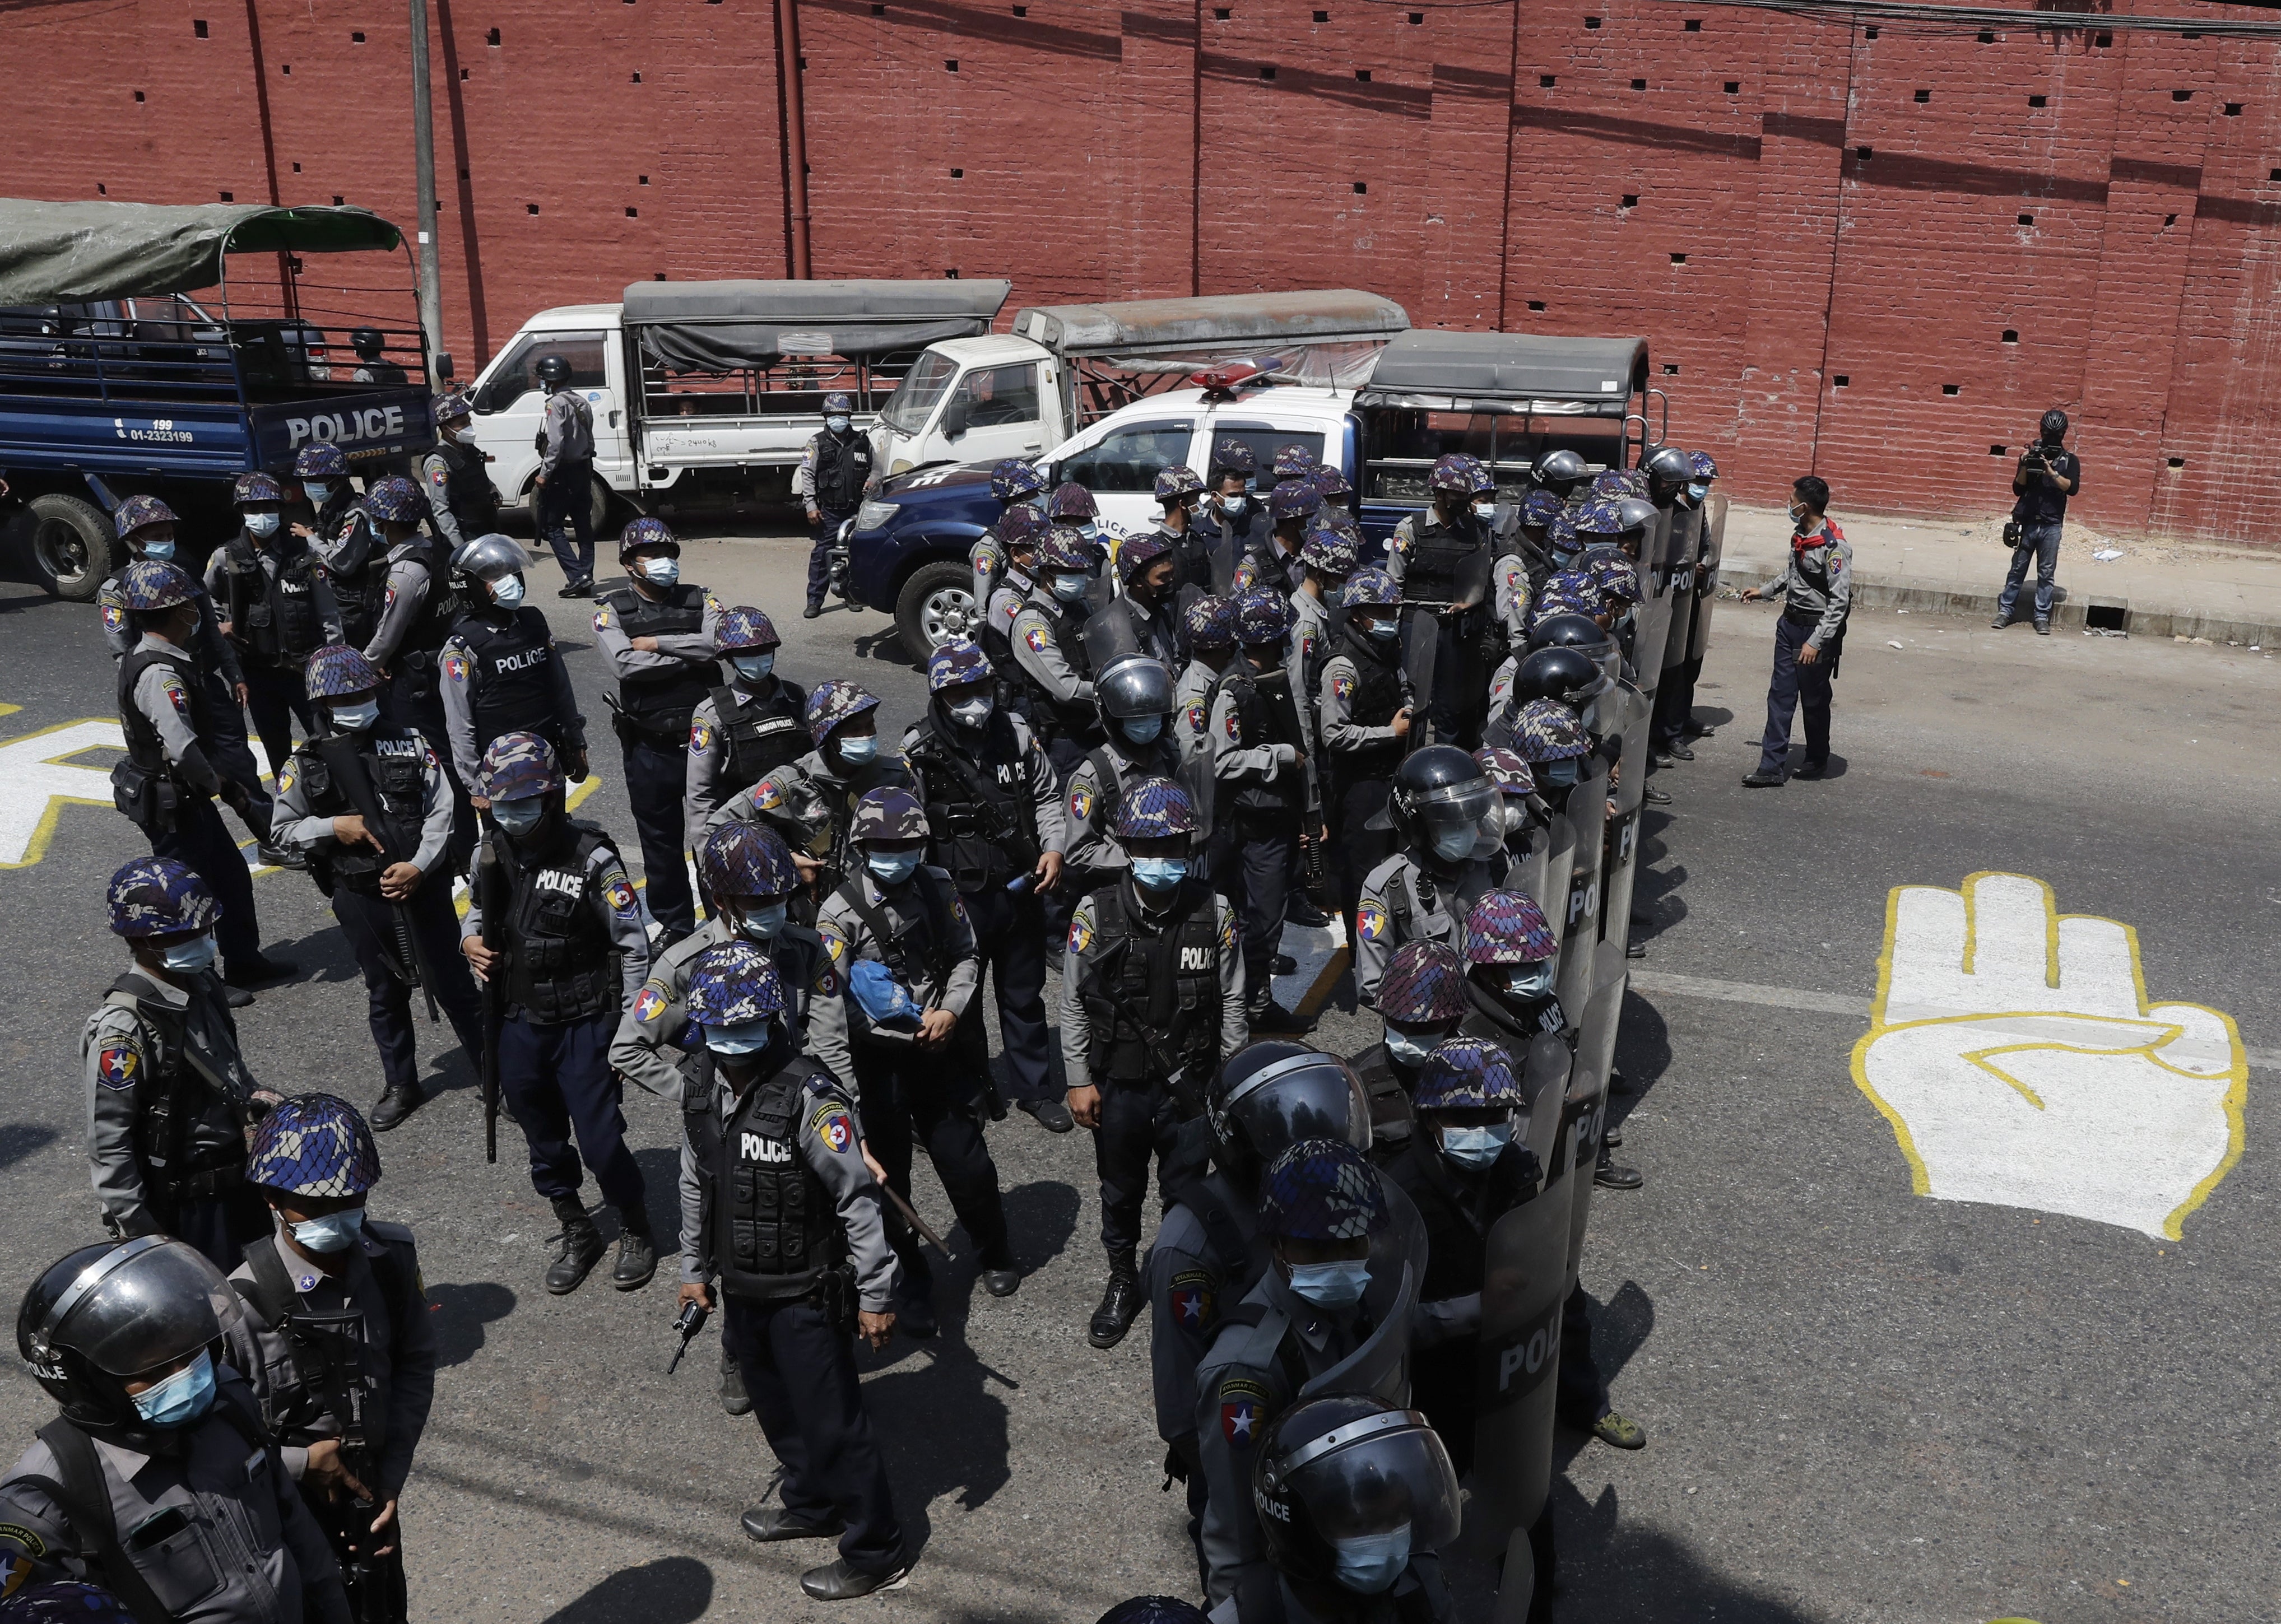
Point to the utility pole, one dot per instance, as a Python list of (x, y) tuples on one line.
[(423, 163)]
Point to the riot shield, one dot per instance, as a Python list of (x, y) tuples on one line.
[(1679, 567), (1397, 1270), (1226, 553), (1626, 710), (1559, 859), (1578, 920), (1110, 635), (1420, 643), (1529, 857), (1651, 621), (1706, 573), (1587, 1088), (1200, 777)]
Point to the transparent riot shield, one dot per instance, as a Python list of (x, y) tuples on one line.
[(1706, 573), (1397, 1272), (1578, 920), (1559, 860), (1587, 1087), (1198, 777), (1651, 617), (1679, 568), (1623, 711), (1110, 635), (1529, 855)]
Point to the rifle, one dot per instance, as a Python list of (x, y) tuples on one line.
[(491, 897), (347, 770)]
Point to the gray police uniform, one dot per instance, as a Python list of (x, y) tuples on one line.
[(1097, 786), (658, 694), (500, 672), (810, 805), (244, 1550), (1402, 900), (1206, 1255), (658, 1019), (1048, 645), (738, 734)]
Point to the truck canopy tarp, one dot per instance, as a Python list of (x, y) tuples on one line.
[(1440, 370), (53, 253), (1137, 328), (725, 326)]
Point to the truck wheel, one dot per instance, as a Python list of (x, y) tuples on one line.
[(601, 517), (937, 606), (73, 545)]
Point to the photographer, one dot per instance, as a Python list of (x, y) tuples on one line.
[(2048, 474)]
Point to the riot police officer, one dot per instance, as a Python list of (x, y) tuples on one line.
[(368, 804), (1559, 472), (1363, 719), (168, 782), (346, 539), (336, 1340), (1208, 629), (1330, 555), (1015, 484), (1264, 789), (1564, 672), (1331, 1313), (565, 484), (1273, 560), (1152, 1000), (904, 1031), (994, 813), (1135, 697), (1230, 512), (168, 1097), (657, 633), (462, 502), (1017, 537), (835, 473), (1048, 644), (1674, 722), (418, 606), (563, 916), (1438, 809), (278, 609), (1421, 997), (1444, 566), (743, 728), (1147, 568), (158, 1460), (778, 1206), (1181, 496)]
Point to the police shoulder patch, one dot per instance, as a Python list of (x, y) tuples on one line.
[(1370, 919), (1080, 936), (455, 666), (602, 618), (1234, 726), (984, 564), (285, 779), (1197, 720), (1192, 1301), (114, 615), (1229, 927), (834, 1127), (834, 942), (389, 602), (650, 1002), (172, 687), (1343, 685), (619, 891), (119, 1062), (826, 983), (1035, 636), (1081, 801), (768, 795), (700, 737), (1242, 1410)]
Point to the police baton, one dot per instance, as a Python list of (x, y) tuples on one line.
[(911, 1217)]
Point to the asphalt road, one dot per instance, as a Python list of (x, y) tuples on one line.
[(1862, 1403)]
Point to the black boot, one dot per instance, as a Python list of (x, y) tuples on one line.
[(397, 1102), (734, 1399), (1120, 1304), (1608, 1176), (637, 1252), (581, 1247)]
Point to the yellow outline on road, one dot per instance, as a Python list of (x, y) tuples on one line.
[(36, 847)]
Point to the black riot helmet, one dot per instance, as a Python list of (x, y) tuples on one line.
[(1581, 632), (366, 341), (1634, 515), (2054, 426), (1668, 469), (552, 369), (1561, 672), (1350, 1489), (103, 1314), (1440, 793), (1271, 1095), (1135, 685), (1559, 471), (1154, 1610)]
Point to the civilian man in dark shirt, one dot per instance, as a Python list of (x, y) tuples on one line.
[(2048, 474)]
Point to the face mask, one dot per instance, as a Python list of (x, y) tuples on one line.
[(1233, 506), (661, 571), (1384, 630), (1412, 1048), (1159, 873), (161, 550), (356, 718), (752, 667), (1142, 729), (1529, 980), (1090, 530), (1476, 1147), (1369, 1564), (1796, 514), (262, 524), (838, 425), (1071, 588), (1484, 510), (519, 817), (1450, 844), (188, 958), (182, 1398), (1559, 774), (1563, 558), (1331, 1285), (761, 924), (748, 1038), (973, 712), (331, 1233), (891, 868), (1696, 492), (319, 491), (861, 748)]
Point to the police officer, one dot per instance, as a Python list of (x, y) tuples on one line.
[(372, 365), (1330, 556), (1230, 512), (168, 1097), (342, 532), (994, 813), (1181, 496), (1328, 1297), (810, 802), (565, 917), (1017, 537), (904, 1031), (1675, 726), (778, 1206), (462, 502), (1421, 997), (1015, 484), (1559, 472), (1523, 814), (1208, 1252), (1149, 569), (835, 475), (1444, 566), (1048, 643), (1273, 560), (1208, 630), (417, 609), (1548, 737), (168, 780), (336, 1340), (657, 633), (1363, 719), (1152, 1002), (564, 485), (1260, 764), (743, 729), (158, 1465), (1438, 808), (368, 804), (277, 610), (1817, 593), (1136, 698)]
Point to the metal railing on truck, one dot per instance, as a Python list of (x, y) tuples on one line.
[(795, 388)]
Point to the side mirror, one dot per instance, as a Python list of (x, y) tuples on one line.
[(442, 365), (954, 418)]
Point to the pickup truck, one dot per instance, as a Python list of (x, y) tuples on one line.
[(1504, 398), (705, 393), (114, 380)]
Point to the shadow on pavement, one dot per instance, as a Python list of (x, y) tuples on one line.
[(1613, 1574), (660, 1172), (18, 1140), (461, 1313), (1642, 1055), (674, 1590), (1041, 1217), (1620, 1327)]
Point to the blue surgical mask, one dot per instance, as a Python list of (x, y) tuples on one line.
[(1339, 1284), (1369, 1564), (1159, 873), (838, 425), (319, 490), (161, 550), (1476, 1147), (1142, 729), (1233, 506), (661, 571), (1559, 774), (188, 958), (891, 868), (753, 667), (182, 1398), (747, 1038), (1384, 629), (1697, 491), (1090, 530), (1412, 1049), (519, 817), (507, 591), (973, 712), (1529, 980), (355, 717), (262, 524), (1450, 844), (858, 748), (1071, 588), (761, 924), (1484, 510), (332, 1233)]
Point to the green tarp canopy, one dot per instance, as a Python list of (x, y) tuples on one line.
[(55, 253)]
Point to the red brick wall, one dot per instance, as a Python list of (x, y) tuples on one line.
[(1815, 255)]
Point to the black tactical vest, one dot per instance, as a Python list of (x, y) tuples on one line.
[(1166, 978), (1116, 761), (842, 467), (982, 826), (190, 1118), (1078, 719), (994, 639), (758, 736), (509, 690), (1437, 558), (560, 965), (770, 1226), (144, 747), (1393, 1118), (358, 569), (1377, 698), (275, 621), (327, 1394), (394, 763), (467, 490), (659, 699), (439, 611), (1265, 715)]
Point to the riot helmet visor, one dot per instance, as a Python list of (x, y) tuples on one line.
[(140, 1307)]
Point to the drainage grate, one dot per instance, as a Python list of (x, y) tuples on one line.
[(2107, 617)]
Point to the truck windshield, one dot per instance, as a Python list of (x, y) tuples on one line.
[(913, 402)]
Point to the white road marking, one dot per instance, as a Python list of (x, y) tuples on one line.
[(35, 784)]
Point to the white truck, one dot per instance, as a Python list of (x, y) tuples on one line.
[(706, 393)]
